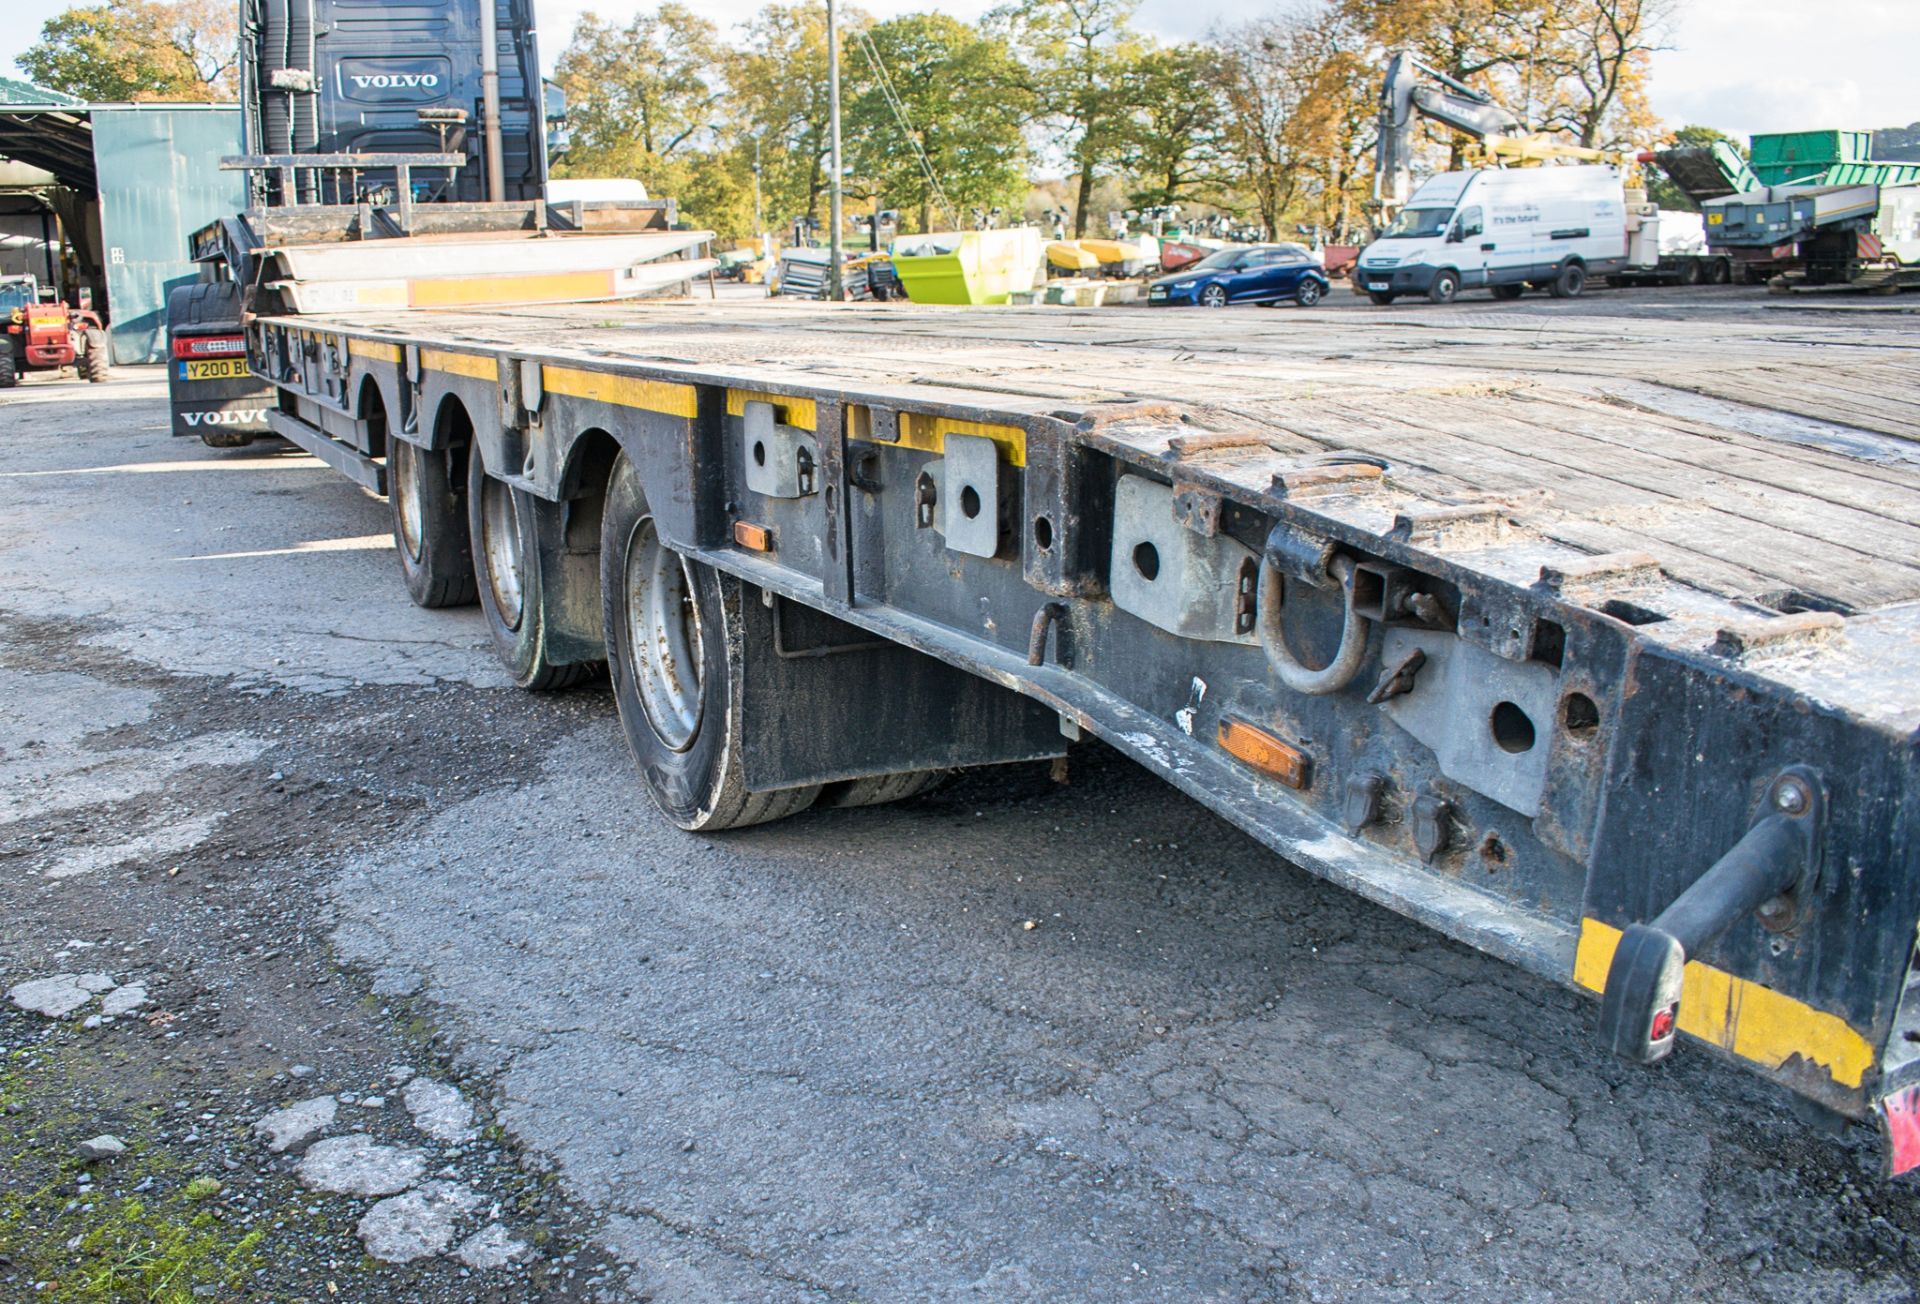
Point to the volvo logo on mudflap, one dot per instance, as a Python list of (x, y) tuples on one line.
[(395, 81), (231, 417)]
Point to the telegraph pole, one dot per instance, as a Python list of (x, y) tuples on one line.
[(836, 289)]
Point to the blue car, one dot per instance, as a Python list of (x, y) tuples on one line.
[(1266, 274)]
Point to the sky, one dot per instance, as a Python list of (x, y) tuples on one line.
[(1758, 65)]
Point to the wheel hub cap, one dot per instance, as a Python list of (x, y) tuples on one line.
[(500, 544), (664, 637)]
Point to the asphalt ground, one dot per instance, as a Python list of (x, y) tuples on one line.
[(826, 1059)]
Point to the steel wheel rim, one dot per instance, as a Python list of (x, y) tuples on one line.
[(664, 638), (500, 544), (403, 473)]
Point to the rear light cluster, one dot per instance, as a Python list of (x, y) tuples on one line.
[(210, 346)]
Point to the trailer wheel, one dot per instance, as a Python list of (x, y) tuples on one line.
[(506, 563), (1567, 285), (677, 661), (1720, 272), (93, 355), (1692, 273), (880, 789), (429, 525)]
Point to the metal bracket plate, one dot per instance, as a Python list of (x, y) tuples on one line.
[(1172, 577), (969, 501), (1488, 720), (781, 460)]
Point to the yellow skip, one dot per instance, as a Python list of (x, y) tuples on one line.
[(460, 364), (801, 412), (1754, 1022), (929, 435), (623, 391)]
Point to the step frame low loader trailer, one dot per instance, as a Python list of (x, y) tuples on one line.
[(828, 582)]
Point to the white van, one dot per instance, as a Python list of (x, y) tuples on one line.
[(1502, 229)]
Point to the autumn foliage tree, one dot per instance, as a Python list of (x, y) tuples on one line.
[(1273, 120), (138, 50)]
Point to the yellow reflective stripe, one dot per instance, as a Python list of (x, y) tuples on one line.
[(623, 391), (372, 349), (470, 291), (460, 364), (800, 412), (929, 435), (1753, 1022)]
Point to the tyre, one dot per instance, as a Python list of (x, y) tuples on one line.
[(1308, 293), (1720, 272), (677, 661), (1569, 283), (506, 564), (1445, 288), (1692, 273), (9, 372), (1507, 293), (1381, 298), (218, 438), (878, 790), (425, 498), (93, 355), (1214, 296)]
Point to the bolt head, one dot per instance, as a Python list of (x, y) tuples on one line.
[(1790, 797)]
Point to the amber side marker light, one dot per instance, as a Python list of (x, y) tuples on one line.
[(757, 537), (1265, 753)]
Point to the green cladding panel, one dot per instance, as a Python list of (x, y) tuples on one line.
[(160, 180)]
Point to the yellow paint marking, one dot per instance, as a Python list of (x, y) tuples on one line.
[(468, 292), (929, 435), (623, 391), (375, 350), (1754, 1022), (460, 364), (801, 412)]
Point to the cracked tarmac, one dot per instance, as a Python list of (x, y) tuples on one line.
[(823, 1059)]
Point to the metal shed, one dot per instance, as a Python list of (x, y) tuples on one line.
[(138, 178)]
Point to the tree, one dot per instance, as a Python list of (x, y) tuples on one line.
[(138, 50), (777, 79), (962, 100), (1172, 138), (1076, 54), (640, 96), (1600, 51), (1299, 99)]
